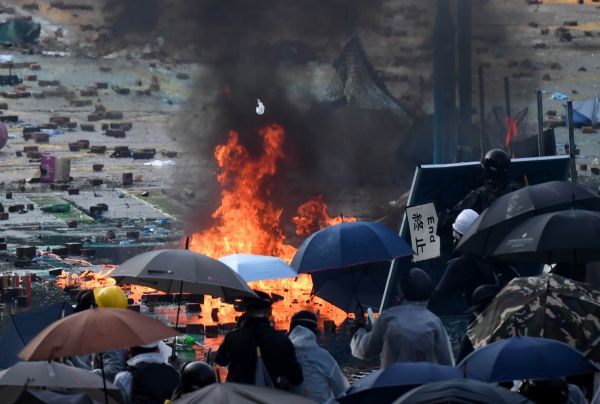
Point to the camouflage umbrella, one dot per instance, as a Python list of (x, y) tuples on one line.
[(547, 306)]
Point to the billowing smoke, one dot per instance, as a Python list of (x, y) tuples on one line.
[(289, 54)]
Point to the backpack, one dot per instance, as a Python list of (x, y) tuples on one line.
[(153, 383)]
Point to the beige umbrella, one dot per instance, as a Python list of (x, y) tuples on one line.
[(95, 330)]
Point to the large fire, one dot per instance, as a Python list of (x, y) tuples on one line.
[(247, 222)]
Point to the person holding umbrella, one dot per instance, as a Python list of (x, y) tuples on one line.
[(257, 342), (407, 332), (113, 361)]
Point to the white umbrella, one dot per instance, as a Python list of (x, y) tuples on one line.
[(53, 376), (258, 267)]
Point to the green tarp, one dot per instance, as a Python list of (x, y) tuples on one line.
[(17, 31)]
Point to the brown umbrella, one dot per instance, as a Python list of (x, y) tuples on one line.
[(95, 330)]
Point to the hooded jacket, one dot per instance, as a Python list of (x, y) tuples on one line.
[(405, 333), (323, 379), (238, 352)]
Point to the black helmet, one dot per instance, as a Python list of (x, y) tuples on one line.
[(496, 164), (263, 301), (482, 296), (195, 375), (416, 285), (305, 318)]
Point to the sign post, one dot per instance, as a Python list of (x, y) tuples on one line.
[(423, 222)]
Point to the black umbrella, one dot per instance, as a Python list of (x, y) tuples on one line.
[(511, 209), (569, 236)]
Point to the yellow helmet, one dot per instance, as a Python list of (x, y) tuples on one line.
[(110, 297)]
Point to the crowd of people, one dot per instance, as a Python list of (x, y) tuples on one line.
[(255, 353)]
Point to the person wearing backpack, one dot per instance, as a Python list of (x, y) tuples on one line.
[(148, 379), (323, 379), (256, 343)]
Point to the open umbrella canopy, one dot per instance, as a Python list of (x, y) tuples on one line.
[(22, 327), (461, 391), (182, 270), (567, 236), (95, 330), (519, 358), (348, 262), (53, 376), (226, 393), (349, 244), (548, 306), (258, 267), (352, 289), (515, 207), (386, 385), (33, 396)]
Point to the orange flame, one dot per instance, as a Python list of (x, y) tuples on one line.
[(247, 222), (313, 216)]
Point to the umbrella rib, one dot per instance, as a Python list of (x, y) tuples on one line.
[(12, 319)]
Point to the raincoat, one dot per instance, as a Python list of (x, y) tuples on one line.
[(323, 379), (405, 333)]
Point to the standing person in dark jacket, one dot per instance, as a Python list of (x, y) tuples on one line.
[(238, 350), (467, 272)]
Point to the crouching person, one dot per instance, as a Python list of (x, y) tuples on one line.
[(148, 379), (323, 379)]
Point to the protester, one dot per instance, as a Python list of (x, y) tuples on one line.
[(148, 377), (482, 297), (194, 376), (323, 379), (553, 391), (407, 332), (467, 272), (239, 348), (113, 361), (496, 173)]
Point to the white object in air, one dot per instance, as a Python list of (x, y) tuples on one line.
[(260, 109)]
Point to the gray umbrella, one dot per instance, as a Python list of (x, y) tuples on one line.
[(56, 377), (182, 271)]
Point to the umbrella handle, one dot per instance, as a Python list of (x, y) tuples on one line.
[(103, 378)]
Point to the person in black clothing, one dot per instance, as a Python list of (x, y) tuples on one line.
[(482, 297), (238, 350), (496, 170), (466, 272)]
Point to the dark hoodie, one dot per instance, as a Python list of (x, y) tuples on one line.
[(238, 352)]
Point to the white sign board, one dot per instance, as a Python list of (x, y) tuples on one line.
[(423, 222)]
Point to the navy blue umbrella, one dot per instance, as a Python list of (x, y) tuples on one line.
[(349, 262), (519, 358), (386, 385), (349, 244), (22, 327), (352, 289), (461, 391)]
